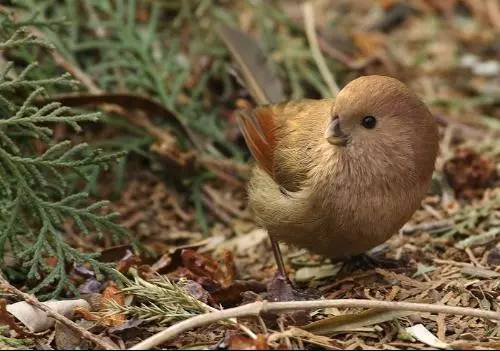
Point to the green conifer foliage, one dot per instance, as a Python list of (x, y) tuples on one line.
[(35, 195)]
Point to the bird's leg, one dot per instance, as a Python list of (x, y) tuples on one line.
[(279, 259)]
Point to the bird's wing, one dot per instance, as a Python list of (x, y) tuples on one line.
[(280, 138)]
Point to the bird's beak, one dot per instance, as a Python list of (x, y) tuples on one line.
[(334, 135)]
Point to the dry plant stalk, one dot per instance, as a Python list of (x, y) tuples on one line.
[(315, 50), (257, 308)]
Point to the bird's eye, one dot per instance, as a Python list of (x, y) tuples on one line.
[(369, 122)]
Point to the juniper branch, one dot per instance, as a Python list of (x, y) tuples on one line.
[(36, 199)]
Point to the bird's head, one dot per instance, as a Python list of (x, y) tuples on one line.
[(378, 119), (373, 107)]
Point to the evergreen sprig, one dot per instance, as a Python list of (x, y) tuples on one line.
[(35, 197), (160, 300)]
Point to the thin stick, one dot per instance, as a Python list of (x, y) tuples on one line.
[(73, 69), (234, 321), (312, 38), (257, 308), (426, 226), (5, 285)]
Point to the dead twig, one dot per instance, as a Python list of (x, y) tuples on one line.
[(257, 308), (227, 207), (426, 226), (216, 210), (70, 67), (5, 285), (312, 38)]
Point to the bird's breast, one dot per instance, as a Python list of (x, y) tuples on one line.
[(360, 211)]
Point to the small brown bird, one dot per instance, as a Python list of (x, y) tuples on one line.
[(340, 176)]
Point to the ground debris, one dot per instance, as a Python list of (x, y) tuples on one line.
[(200, 250), (469, 173)]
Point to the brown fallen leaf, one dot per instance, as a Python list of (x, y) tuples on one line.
[(66, 338), (51, 261), (113, 293), (114, 253), (129, 101), (110, 293), (216, 277), (262, 83), (86, 314), (469, 173), (197, 291), (350, 322), (127, 261), (222, 273), (239, 342), (480, 272), (305, 274), (199, 264), (233, 295), (226, 272)]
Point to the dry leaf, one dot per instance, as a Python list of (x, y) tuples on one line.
[(423, 335), (220, 273), (7, 319), (305, 274), (469, 172), (112, 293), (36, 320), (480, 272), (369, 43), (278, 289), (478, 240), (66, 338), (262, 83), (241, 243), (127, 261), (86, 314), (239, 342), (349, 322)]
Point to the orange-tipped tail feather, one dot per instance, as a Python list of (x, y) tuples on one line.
[(258, 128)]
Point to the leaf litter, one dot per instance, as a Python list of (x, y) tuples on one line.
[(451, 244)]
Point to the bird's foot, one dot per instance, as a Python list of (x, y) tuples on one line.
[(280, 288)]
